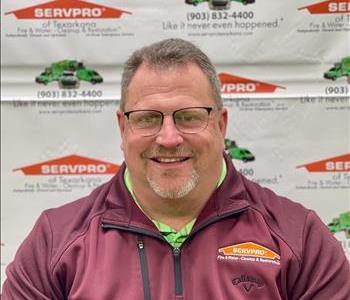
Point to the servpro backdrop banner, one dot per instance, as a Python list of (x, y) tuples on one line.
[(55, 152), (284, 69), (284, 51)]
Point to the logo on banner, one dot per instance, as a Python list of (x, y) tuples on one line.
[(329, 7), (339, 69), (340, 227), (232, 84), (334, 164), (236, 152), (68, 73), (70, 165), (341, 223), (218, 5), (68, 9)]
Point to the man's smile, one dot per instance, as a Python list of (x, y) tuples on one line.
[(169, 160)]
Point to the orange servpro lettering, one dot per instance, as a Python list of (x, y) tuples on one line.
[(249, 249), (68, 9), (329, 7), (232, 84), (70, 165), (339, 163)]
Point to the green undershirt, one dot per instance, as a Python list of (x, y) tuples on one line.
[(173, 237)]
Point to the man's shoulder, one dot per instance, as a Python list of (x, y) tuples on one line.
[(80, 209), (268, 202), (285, 218), (65, 223), (263, 199)]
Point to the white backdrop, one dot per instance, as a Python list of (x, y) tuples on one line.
[(58, 144)]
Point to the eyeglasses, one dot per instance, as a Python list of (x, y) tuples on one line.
[(186, 120)]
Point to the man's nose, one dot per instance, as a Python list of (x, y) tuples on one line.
[(169, 136)]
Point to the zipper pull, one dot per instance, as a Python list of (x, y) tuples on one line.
[(140, 244), (176, 251)]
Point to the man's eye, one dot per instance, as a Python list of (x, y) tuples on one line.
[(148, 119), (188, 117)]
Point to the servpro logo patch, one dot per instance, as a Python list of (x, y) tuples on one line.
[(334, 164), (329, 7), (70, 165), (232, 84), (249, 251), (68, 9)]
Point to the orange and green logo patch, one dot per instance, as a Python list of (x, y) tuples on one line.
[(249, 251)]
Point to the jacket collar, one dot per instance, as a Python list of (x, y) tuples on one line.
[(229, 197)]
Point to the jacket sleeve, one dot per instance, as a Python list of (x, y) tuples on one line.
[(324, 270), (29, 276)]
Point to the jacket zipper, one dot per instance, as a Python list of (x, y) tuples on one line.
[(143, 258), (176, 251), (177, 271), (141, 251), (144, 269)]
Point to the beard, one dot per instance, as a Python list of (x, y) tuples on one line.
[(171, 190), (171, 184)]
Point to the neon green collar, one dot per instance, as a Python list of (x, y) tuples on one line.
[(173, 237)]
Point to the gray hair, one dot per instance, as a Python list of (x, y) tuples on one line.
[(169, 53)]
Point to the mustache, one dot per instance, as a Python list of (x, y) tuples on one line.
[(179, 151)]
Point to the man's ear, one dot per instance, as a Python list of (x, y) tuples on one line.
[(223, 121), (120, 118), (121, 124)]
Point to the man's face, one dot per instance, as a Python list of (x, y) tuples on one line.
[(171, 163)]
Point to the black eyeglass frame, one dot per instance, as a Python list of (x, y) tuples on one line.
[(207, 108)]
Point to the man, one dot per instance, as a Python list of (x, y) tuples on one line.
[(177, 221)]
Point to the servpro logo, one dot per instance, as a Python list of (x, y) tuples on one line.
[(248, 251), (334, 164), (70, 165), (68, 9), (329, 7), (232, 84)]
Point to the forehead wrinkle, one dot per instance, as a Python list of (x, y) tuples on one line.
[(154, 84)]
